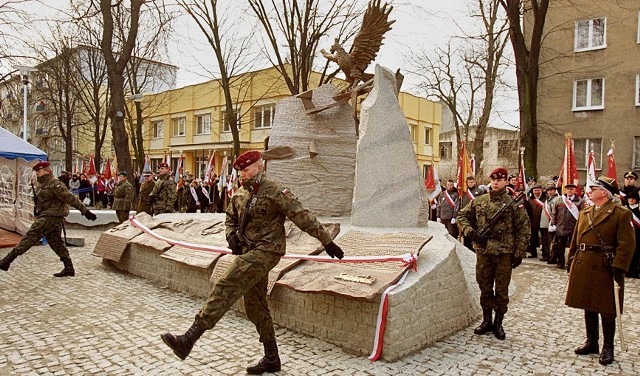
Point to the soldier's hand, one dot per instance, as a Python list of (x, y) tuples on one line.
[(334, 250), (234, 244), (477, 237), (453, 221), (152, 199), (515, 262), (618, 275), (90, 216)]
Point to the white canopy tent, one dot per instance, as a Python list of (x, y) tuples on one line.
[(16, 195)]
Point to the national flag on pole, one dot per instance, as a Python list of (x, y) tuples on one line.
[(232, 184), (591, 172), (464, 169), (209, 171), (432, 183), (178, 174), (569, 169), (77, 168), (521, 180), (107, 170), (223, 173), (611, 171)]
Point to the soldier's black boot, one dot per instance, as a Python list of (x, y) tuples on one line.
[(485, 326), (6, 261), (590, 346), (269, 363), (498, 330), (68, 270), (608, 332), (182, 344)]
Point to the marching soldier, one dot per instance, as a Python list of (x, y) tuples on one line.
[(52, 198), (600, 252), (123, 195), (498, 253), (163, 195), (144, 202), (255, 232)]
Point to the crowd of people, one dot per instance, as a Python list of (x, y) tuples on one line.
[(553, 215)]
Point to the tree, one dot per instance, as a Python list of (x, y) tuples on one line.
[(302, 25), (466, 78), (232, 53), (527, 58)]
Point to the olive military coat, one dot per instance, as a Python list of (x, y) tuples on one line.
[(591, 279)]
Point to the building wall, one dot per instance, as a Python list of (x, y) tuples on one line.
[(251, 91), (614, 61)]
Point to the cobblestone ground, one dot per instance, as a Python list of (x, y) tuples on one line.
[(106, 322)]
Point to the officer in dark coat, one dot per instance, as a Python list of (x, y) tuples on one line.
[(630, 179), (600, 252), (259, 241), (499, 252), (535, 206), (52, 198)]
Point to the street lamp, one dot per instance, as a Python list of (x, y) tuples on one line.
[(24, 75)]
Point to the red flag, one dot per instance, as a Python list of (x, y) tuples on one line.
[(569, 169), (464, 169), (92, 166), (107, 170), (611, 172), (521, 180), (84, 166), (432, 183)]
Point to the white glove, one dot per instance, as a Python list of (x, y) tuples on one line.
[(434, 206), (438, 220), (453, 221), (552, 228)]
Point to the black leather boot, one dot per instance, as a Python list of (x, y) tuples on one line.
[(269, 363), (182, 344), (6, 261), (485, 326), (498, 330), (608, 332), (68, 270), (590, 346)]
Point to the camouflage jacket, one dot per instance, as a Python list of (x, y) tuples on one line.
[(509, 235), (163, 195), (53, 198), (123, 196), (144, 203), (265, 227)]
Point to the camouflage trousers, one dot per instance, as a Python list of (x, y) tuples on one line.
[(247, 277), (122, 215), (493, 274), (48, 227)]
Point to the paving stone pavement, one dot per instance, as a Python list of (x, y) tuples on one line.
[(107, 322)]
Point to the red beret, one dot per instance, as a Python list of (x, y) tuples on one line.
[(41, 165), (163, 164), (499, 173), (247, 158)]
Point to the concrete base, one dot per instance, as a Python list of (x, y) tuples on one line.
[(439, 299)]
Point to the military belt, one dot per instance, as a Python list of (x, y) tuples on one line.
[(595, 248)]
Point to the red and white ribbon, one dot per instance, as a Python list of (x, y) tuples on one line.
[(381, 323)]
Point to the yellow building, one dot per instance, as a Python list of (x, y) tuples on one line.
[(190, 121)]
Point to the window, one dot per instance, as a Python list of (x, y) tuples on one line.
[(225, 123), (178, 126), (636, 153), (588, 94), (413, 129), (508, 149), (427, 136), (157, 127), (203, 124), (581, 149), (637, 90), (263, 116), (590, 34), (446, 150)]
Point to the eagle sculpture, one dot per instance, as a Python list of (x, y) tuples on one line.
[(366, 44)]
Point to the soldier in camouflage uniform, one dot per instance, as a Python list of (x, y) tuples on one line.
[(144, 202), (123, 195), (52, 198), (498, 253), (255, 232), (163, 195)]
